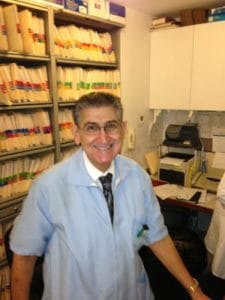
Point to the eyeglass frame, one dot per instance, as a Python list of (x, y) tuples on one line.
[(109, 131)]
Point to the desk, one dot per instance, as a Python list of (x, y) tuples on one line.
[(207, 206)]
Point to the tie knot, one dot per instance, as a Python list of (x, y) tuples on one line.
[(106, 180)]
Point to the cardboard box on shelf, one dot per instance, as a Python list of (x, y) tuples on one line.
[(186, 17), (193, 16), (97, 8), (200, 15)]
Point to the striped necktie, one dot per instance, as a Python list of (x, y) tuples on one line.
[(106, 182)]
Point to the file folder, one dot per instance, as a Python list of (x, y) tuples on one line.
[(25, 19), (13, 28), (3, 32)]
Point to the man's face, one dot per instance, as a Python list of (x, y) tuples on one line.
[(100, 145)]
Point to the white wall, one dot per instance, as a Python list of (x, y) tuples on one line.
[(134, 58)]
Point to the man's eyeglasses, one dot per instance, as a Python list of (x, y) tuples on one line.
[(110, 127)]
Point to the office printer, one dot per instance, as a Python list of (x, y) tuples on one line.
[(186, 135), (181, 158)]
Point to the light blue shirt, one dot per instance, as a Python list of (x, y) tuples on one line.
[(66, 217)]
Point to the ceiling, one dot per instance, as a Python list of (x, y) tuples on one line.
[(168, 7)]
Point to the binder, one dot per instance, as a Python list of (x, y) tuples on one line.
[(3, 32), (13, 28)]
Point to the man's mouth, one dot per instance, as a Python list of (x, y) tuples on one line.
[(103, 147)]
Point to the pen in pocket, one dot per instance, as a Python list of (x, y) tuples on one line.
[(142, 230)]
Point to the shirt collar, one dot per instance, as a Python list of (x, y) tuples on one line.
[(94, 172)]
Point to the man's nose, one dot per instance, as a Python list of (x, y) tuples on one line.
[(102, 133)]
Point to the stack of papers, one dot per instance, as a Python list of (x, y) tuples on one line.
[(178, 192), (172, 161)]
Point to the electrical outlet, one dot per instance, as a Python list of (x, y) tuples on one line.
[(131, 139)]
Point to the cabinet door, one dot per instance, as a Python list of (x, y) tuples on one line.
[(208, 87), (170, 68)]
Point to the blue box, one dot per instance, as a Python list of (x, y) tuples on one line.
[(116, 12)]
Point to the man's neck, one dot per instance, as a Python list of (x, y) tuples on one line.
[(94, 172)]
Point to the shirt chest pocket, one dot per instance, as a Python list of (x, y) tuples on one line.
[(140, 234)]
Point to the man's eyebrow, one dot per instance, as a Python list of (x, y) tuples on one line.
[(89, 122), (96, 123)]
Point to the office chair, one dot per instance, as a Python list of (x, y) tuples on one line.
[(152, 159), (37, 284)]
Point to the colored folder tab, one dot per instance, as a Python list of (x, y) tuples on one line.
[(13, 28)]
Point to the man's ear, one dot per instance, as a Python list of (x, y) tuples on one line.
[(76, 135)]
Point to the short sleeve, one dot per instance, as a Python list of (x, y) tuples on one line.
[(33, 227)]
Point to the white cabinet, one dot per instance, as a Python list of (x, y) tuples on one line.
[(170, 68), (187, 68), (208, 71)]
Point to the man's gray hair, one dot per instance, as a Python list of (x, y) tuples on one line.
[(98, 99)]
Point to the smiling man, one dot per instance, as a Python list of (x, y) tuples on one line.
[(89, 216)]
